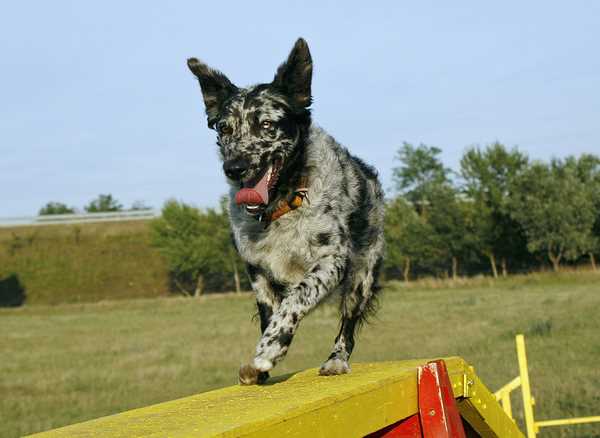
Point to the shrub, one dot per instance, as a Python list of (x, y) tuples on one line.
[(197, 248)]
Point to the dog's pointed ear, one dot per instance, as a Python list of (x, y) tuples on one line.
[(294, 76), (216, 88)]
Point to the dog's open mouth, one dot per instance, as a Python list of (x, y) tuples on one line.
[(254, 194)]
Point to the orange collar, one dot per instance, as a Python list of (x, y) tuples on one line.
[(286, 205)]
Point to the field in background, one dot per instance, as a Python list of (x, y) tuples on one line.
[(67, 363), (82, 263)]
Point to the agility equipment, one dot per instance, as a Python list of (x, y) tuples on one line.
[(522, 380), (415, 398), (441, 398)]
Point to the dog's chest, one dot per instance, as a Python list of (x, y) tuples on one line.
[(283, 249)]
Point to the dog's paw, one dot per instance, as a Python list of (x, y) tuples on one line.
[(262, 364), (263, 376), (249, 375), (334, 367)]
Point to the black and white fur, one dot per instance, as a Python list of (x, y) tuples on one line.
[(332, 243)]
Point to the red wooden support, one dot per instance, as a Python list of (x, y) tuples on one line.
[(437, 407), (438, 415)]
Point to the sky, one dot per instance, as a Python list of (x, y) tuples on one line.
[(95, 97)]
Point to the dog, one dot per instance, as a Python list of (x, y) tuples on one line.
[(306, 216)]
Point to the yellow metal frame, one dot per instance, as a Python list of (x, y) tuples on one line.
[(503, 395), (305, 404)]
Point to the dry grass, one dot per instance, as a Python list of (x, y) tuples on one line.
[(64, 364)]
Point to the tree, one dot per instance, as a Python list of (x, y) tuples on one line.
[(419, 174), (408, 238), (103, 203), (424, 181), (555, 209), (196, 245), (227, 245), (449, 217), (587, 168), (487, 176), (55, 208), (183, 239)]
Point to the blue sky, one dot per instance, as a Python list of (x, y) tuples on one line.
[(95, 97)]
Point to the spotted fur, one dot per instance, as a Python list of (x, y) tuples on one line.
[(333, 243)]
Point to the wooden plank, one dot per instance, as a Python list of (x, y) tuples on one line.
[(479, 407), (370, 398), (366, 400)]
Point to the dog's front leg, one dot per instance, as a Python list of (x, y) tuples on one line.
[(267, 302), (324, 276)]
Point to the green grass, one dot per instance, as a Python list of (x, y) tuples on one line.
[(81, 263), (68, 363)]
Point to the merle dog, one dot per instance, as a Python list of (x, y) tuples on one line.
[(306, 216)]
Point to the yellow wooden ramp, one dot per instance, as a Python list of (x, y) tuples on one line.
[(304, 404)]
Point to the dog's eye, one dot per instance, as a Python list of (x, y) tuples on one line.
[(266, 124), (224, 129)]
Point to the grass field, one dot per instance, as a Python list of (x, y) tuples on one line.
[(68, 363), (82, 263)]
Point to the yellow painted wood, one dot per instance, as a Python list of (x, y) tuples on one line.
[(503, 394), (482, 411), (509, 387), (525, 387), (304, 404), (528, 400), (567, 421), (506, 404), (300, 405)]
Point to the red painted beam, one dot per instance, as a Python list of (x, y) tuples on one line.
[(437, 407), (438, 415)]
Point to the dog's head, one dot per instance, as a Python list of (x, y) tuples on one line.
[(260, 129)]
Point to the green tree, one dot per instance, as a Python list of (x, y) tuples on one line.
[(450, 217), (422, 180), (487, 176), (196, 245), (419, 174), (587, 168), (409, 239), (55, 208), (231, 257), (103, 203), (555, 209)]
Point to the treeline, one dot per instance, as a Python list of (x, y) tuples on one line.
[(102, 203), (498, 213)]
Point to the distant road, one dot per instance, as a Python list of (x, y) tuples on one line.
[(55, 219)]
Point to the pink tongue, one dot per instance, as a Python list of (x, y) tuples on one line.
[(259, 194)]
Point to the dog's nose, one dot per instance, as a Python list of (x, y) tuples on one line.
[(235, 169)]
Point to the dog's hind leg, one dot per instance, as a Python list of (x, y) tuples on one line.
[(357, 303), (337, 362)]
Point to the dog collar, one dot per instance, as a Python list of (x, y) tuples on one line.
[(290, 203)]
